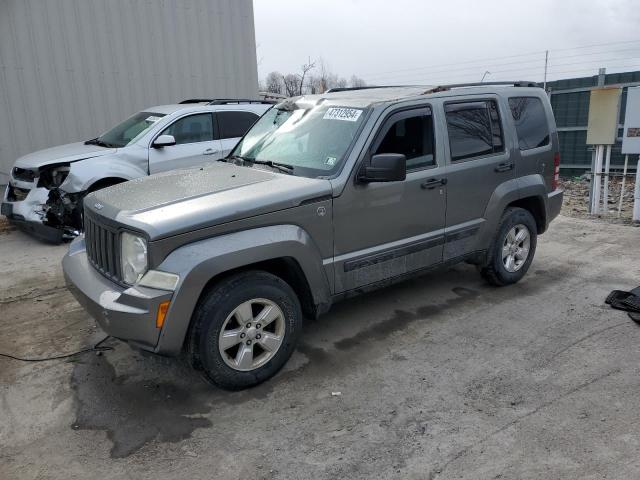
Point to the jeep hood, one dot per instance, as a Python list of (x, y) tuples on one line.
[(71, 152), (181, 201)]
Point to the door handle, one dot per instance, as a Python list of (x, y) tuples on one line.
[(433, 183), (210, 151), (504, 167)]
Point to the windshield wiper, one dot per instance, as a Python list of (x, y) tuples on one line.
[(100, 143), (278, 166), (233, 158)]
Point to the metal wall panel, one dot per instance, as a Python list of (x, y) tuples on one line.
[(70, 69), (570, 103)]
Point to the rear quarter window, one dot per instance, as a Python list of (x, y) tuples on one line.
[(531, 122), (235, 124)]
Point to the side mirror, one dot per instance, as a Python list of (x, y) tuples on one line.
[(384, 167), (164, 141)]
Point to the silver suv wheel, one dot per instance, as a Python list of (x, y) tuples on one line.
[(515, 249), (252, 334)]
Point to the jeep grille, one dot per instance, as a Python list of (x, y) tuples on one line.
[(103, 249)]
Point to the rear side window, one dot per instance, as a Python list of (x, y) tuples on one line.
[(413, 137), (474, 129), (235, 124), (531, 122)]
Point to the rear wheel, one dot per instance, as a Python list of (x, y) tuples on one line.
[(245, 329), (513, 248)]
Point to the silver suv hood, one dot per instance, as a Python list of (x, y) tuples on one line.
[(70, 152), (181, 201)]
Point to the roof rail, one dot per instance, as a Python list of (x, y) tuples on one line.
[(195, 100), (517, 83), (348, 89), (225, 101)]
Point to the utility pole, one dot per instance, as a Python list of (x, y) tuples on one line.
[(546, 63)]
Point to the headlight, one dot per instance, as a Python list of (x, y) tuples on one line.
[(133, 257)]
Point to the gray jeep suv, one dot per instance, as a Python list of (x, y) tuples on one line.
[(325, 197)]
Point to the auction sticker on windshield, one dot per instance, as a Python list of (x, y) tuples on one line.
[(346, 114)]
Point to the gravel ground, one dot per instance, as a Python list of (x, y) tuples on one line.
[(439, 377), (576, 199)]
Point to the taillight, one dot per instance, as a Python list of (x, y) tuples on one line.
[(556, 172)]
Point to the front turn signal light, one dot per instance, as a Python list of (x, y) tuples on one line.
[(163, 308)]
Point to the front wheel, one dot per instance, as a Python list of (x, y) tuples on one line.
[(513, 248), (245, 329)]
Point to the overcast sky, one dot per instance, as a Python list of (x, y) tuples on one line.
[(426, 42)]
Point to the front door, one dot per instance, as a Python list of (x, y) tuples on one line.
[(384, 230), (479, 162), (195, 144)]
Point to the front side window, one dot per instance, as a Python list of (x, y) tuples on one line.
[(191, 129), (531, 122), (412, 137), (235, 124), (474, 129), (133, 127), (312, 140)]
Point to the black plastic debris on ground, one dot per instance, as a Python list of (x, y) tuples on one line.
[(627, 301)]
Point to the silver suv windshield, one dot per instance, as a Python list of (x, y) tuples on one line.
[(126, 132), (313, 141)]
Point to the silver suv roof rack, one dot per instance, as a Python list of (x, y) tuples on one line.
[(225, 101), (348, 89), (516, 83)]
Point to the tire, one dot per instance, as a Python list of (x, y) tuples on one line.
[(220, 339), (500, 270)]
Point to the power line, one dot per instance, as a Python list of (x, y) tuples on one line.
[(524, 68), (429, 80), (459, 64)]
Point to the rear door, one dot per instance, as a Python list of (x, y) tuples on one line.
[(195, 144), (232, 125), (478, 162), (531, 122)]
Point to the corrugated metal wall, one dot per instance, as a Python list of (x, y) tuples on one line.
[(570, 103), (70, 69)]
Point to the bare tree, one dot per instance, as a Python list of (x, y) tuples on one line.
[(340, 82), (274, 83), (357, 82), (305, 69), (291, 84), (307, 82)]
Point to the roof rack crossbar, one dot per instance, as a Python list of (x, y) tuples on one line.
[(516, 83), (225, 101)]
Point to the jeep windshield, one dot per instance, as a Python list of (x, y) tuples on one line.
[(313, 141), (126, 132)]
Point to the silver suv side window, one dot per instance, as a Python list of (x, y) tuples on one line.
[(531, 122), (235, 124), (191, 129), (474, 129), (413, 137)]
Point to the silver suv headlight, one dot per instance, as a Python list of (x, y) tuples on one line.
[(133, 257)]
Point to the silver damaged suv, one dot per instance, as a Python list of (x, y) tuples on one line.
[(325, 197), (46, 188)]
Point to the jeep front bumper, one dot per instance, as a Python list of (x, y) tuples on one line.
[(128, 314)]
